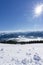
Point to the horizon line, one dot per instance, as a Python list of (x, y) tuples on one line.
[(8, 31)]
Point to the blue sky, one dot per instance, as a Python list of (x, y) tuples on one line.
[(19, 15)]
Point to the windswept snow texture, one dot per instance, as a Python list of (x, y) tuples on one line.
[(28, 54)]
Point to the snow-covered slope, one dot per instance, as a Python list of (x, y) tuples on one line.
[(24, 39), (28, 54)]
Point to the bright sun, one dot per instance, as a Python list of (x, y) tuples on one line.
[(38, 10)]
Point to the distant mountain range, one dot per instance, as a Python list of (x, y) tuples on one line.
[(21, 36)]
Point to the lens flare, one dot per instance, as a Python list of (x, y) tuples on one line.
[(38, 10)]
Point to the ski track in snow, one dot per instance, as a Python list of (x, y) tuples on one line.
[(27, 54)]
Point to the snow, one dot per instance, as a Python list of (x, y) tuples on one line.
[(24, 39), (16, 54), (28, 39)]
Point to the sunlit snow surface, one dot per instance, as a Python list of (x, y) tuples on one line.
[(28, 54)]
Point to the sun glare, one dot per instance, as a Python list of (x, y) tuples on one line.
[(38, 10)]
